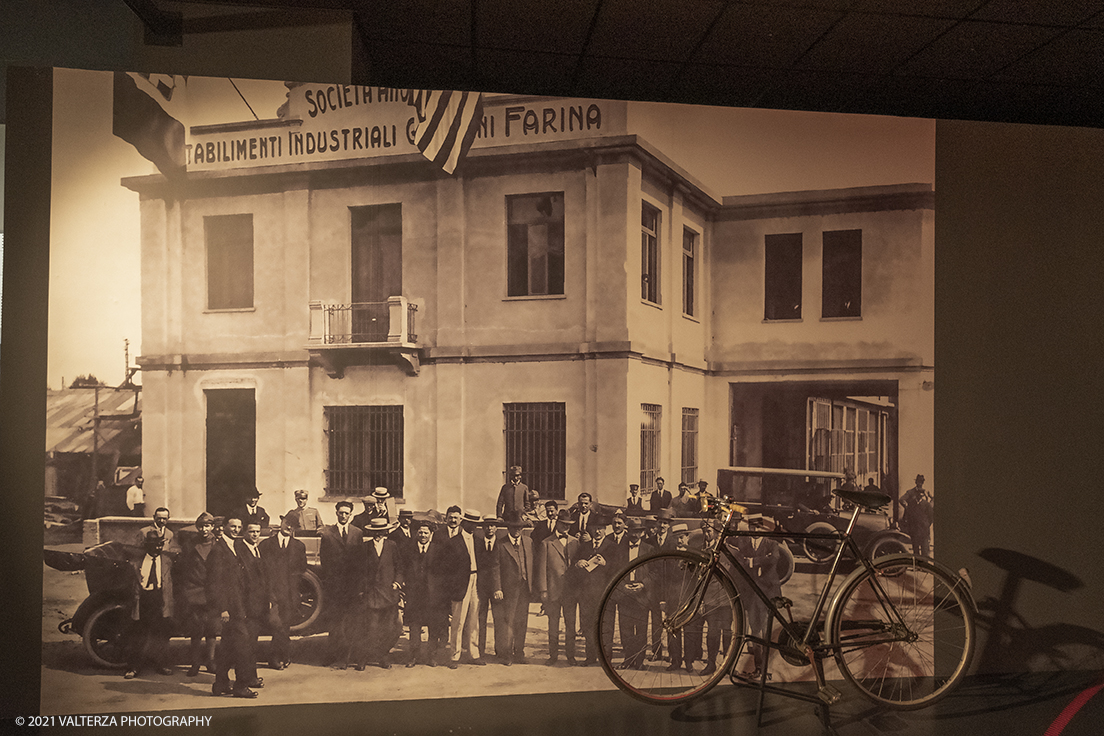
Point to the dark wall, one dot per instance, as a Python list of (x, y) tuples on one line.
[(1019, 234)]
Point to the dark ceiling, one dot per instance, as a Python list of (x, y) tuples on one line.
[(1022, 60), (1004, 60)]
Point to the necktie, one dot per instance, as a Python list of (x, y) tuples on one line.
[(488, 545), (152, 582), (423, 548), (344, 535)]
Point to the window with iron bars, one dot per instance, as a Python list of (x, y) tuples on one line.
[(536, 439), (365, 449), (651, 417), (689, 445)]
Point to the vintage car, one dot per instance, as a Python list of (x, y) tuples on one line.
[(874, 532), (811, 508), (102, 619)]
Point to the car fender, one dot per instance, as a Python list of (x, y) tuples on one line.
[(91, 604)]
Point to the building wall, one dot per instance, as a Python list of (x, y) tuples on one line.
[(898, 276), (599, 348)]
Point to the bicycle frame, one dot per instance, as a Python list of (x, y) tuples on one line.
[(719, 550)]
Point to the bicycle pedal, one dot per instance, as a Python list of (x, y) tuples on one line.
[(829, 695)]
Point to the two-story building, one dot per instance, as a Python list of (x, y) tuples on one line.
[(324, 309)]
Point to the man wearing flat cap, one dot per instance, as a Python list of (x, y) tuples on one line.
[(199, 620), (304, 520)]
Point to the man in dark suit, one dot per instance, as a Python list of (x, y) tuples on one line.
[(336, 548), (423, 609), (486, 556), (513, 497), (377, 576), (547, 527), (403, 536), (160, 525), (582, 514), (590, 575), (661, 498), (151, 608), (375, 507), (256, 594), (634, 506), (636, 599), (514, 586), (199, 620), (226, 593), (661, 537), (284, 559), (685, 645), (252, 511), (558, 555)]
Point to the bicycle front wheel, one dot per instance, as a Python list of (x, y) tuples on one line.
[(904, 633), (669, 628)]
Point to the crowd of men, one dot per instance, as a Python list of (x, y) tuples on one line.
[(442, 581)]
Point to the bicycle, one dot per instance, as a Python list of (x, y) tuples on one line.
[(899, 627)]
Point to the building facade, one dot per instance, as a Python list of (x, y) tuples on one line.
[(323, 309)]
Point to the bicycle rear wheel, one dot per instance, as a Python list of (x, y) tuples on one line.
[(687, 616), (905, 634)]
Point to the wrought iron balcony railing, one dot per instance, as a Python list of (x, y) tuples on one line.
[(363, 324)]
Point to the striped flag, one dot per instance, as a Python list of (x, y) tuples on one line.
[(141, 121), (447, 125)]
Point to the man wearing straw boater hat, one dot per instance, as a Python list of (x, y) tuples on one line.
[(379, 576), (462, 634)]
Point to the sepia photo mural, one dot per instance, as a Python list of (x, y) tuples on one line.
[(330, 304)]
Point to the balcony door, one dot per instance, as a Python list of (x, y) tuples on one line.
[(376, 268)]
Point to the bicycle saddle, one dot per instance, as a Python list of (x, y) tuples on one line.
[(869, 500)]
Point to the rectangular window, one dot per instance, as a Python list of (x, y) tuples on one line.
[(783, 277), (536, 439), (841, 290), (649, 254), (651, 417), (689, 253), (365, 449), (229, 241), (535, 247), (689, 445)]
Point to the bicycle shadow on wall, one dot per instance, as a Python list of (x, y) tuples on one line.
[(1019, 659), (1024, 656)]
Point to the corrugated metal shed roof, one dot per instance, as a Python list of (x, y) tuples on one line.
[(70, 414)]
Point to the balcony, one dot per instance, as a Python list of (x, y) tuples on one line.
[(342, 335)]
